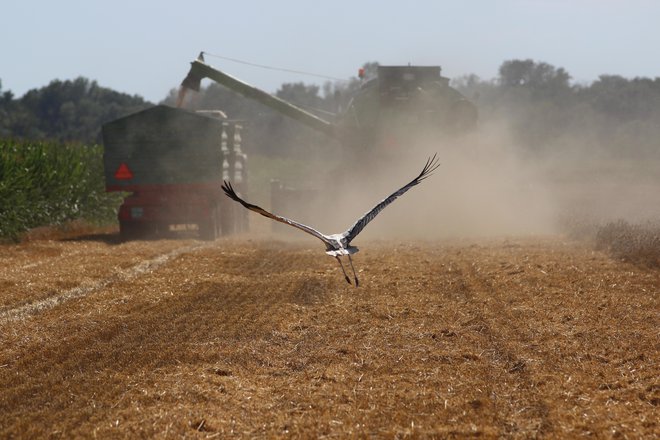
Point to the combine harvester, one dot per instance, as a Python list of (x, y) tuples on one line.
[(173, 162), (388, 111), (385, 118)]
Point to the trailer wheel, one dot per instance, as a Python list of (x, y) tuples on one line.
[(130, 231), (218, 221)]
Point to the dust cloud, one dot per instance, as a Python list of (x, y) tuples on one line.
[(488, 185), (481, 188), (540, 162)]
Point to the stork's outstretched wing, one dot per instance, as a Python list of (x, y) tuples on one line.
[(229, 190), (431, 165)]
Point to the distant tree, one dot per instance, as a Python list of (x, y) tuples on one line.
[(528, 73), (623, 98), (71, 110), (6, 99), (544, 111), (301, 94), (476, 89)]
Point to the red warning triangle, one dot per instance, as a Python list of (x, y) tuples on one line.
[(123, 173)]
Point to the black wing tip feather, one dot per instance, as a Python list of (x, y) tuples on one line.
[(226, 187), (229, 190), (432, 164)]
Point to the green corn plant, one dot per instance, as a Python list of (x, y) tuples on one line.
[(47, 183)]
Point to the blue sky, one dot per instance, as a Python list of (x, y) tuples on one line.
[(144, 46)]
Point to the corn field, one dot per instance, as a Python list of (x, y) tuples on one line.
[(47, 183)]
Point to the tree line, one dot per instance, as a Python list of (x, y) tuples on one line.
[(612, 115), (64, 111), (542, 108)]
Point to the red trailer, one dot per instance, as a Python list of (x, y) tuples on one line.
[(172, 162)]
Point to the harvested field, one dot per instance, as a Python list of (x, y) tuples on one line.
[(520, 338)]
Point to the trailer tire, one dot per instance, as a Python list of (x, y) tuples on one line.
[(130, 231), (227, 220)]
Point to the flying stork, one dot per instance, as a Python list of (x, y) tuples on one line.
[(337, 245)]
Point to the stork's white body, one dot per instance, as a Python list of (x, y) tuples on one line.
[(340, 246)]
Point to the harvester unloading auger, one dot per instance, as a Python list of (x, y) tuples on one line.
[(399, 102)]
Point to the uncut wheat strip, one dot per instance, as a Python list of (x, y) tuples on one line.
[(81, 291)]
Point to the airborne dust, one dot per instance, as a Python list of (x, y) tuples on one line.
[(488, 185)]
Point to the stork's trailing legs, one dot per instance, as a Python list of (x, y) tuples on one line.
[(350, 260), (348, 280)]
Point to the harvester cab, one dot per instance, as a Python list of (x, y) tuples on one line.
[(403, 102)]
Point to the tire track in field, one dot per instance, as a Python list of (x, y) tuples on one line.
[(143, 267), (35, 264), (255, 286), (495, 324)]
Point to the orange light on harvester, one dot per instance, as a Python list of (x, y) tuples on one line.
[(123, 172)]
